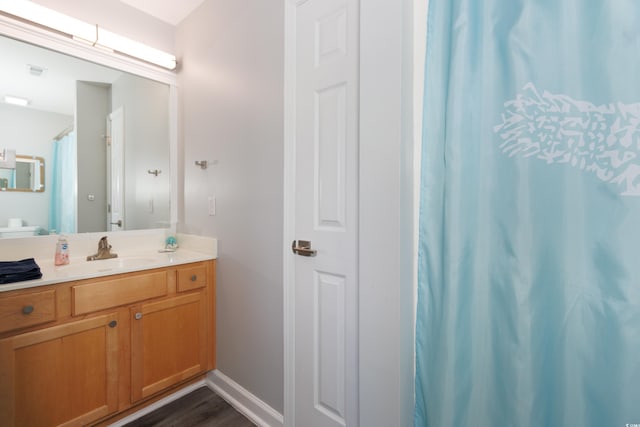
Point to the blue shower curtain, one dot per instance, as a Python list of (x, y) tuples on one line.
[(62, 208), (529, 251)]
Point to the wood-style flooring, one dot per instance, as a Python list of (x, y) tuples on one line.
[(200, 408)]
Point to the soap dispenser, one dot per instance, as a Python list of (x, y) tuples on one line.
[(62, 251)]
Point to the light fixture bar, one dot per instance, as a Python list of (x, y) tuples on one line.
[(49, 18), (130, 47), (15, 100), (87, 33)]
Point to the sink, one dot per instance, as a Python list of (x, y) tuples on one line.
[(122, 263), (82, 267)]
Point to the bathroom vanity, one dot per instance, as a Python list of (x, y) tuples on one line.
[(78, 352)]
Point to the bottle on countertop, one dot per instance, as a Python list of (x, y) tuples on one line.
[(62, 251)]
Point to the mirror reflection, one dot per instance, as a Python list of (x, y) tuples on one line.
[(27, 175), (99, 131)]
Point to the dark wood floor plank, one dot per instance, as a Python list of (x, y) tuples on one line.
[(200, 408)]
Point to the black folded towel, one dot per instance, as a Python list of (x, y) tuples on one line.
[(18, 271)]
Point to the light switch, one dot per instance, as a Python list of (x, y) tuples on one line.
[(212, 205)]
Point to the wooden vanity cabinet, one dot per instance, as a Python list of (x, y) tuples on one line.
[(181, 321), (108, 345), (65, 375)]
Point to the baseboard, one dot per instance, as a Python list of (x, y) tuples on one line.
[(233, 393), (243, 401), (160, 403)]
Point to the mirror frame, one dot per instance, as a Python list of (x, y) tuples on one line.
[(21, 158), (28, 33)]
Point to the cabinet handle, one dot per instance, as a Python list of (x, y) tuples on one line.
[(194, 278), (27, 309), (138, 316), (113, 324)]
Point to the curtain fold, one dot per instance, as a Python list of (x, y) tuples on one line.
[(529, 284), (62, 209)]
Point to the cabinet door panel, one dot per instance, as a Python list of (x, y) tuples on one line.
[(61, 376), (168, 343)]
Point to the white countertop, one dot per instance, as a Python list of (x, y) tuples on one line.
[(137, 251)]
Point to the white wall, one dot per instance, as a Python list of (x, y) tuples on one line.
[(113, 15), (146, 147), (20, 133), (232, 111)]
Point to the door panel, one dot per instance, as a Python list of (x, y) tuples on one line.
[(326, 213), (330, 157), (329, 369)]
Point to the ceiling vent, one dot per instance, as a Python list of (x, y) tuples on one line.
[(34, 70)]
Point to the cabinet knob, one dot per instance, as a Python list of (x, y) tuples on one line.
[(113, 324), (194, 278), (27, 309), (138, 316)]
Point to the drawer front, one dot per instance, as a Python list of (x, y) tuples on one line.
[(29, 309), (193, 277), (125, 290)]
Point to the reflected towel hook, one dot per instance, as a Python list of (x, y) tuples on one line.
[(154, 172)]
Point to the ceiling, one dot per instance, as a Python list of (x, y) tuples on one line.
[(170, 11)]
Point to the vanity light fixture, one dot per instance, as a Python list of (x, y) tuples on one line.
[(49, 18), (85, 32), (132, 48), (23, 102)]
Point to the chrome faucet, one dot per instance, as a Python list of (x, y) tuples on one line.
[(104, 251)]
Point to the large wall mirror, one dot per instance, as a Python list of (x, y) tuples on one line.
[(103, 134)]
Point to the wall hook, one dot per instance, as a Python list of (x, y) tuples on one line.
[(202, 163), (154, 172)]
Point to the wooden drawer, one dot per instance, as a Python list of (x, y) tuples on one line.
[(192, 277), (29, 309), (126, 289)]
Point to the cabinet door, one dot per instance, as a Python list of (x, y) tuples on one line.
[(60, 376), (168, 343)]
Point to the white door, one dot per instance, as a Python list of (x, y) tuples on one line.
[(326, 214), (115, 170)]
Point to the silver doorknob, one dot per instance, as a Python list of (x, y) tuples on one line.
[(303, 248), (119, 223)]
